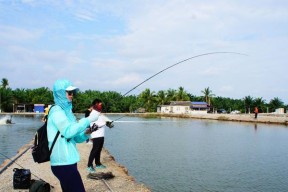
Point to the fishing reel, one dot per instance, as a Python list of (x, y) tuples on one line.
[(94, 127), (109, 124)]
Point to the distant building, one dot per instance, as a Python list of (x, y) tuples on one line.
[(279, 111), (184, 107), (140, 110), (24, 108), (39, 108)]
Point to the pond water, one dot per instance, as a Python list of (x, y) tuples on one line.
[(170, 154)]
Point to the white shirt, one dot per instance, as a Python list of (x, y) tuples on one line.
[(101, 123)]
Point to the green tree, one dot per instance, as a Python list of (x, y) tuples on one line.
[(6, 100), (114, 102), (171, 95), (41, 95), (130, 104), (260, 103), (275, 103), (4, 83), (148, 99), (208, 95), (181, 95), (248, 102), (161, 98), (20, 96), (82, 100), (194, 97)]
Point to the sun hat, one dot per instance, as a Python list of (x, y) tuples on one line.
[(72, 88)]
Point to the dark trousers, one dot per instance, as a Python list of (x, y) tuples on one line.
[(96, 151), (256, 115), (69, 178)]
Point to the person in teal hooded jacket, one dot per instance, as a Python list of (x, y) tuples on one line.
[(64, 156)]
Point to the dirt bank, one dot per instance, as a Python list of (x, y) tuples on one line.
[(122, 182)]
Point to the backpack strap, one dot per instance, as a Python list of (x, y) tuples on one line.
[(56, 136), (54, 141)]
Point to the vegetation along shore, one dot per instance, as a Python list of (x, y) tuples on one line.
[(147, 100)]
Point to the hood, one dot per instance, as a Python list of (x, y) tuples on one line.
[(59, 93)]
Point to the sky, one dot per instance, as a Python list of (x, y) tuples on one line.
[(115, 45)]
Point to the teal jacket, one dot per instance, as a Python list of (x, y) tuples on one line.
[(71, 132)]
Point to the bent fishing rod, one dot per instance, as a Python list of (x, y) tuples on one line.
[(201, 55), (193, 57)]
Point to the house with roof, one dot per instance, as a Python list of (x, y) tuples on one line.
[(184, 107)]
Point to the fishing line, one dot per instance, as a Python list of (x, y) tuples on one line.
[(201, 55), (14, 161)]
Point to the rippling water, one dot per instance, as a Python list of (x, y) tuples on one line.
[(202, 155), (186, 154), (14, 136)]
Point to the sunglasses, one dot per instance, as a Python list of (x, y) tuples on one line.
[(70, 92)]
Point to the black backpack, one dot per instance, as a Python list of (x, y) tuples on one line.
[(21, 178), (39, 186), (40, 150)]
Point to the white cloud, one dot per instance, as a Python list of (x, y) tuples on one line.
[(14, 34), (141, 39)]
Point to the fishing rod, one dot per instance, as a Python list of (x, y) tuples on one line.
[(201, 55), (12, 161), (193, 57)]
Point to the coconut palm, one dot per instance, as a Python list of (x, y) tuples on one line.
[(260, 103), (275, 103), (248, 101), (148, 97), (161, 97), (207, 95), (181, 95), (4, 83), (171, 94)]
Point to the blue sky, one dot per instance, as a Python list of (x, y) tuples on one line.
[(115, 45)]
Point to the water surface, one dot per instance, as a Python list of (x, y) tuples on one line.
[(169, 154), (202, 155)]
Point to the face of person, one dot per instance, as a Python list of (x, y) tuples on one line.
[(69, 95), (98, 107)]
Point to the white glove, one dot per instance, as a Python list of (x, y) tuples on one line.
[(94, 115)]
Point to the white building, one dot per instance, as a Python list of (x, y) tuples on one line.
[(184, 107)]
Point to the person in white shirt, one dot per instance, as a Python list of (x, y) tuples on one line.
[(97, 136)]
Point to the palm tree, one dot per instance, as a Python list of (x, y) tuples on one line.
[(248, 101), (181, 95), (207, 95), (148, 98), (275, 103), (260, 103), (171, 95), (161, 97), (4, 83)]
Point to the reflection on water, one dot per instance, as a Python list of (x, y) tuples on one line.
[(202, 155), (14, 136), (186, 154)]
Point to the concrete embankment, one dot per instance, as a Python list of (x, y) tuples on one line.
[(262, 117), (122, 182)]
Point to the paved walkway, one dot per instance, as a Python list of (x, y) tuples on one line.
[(122, 182)]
